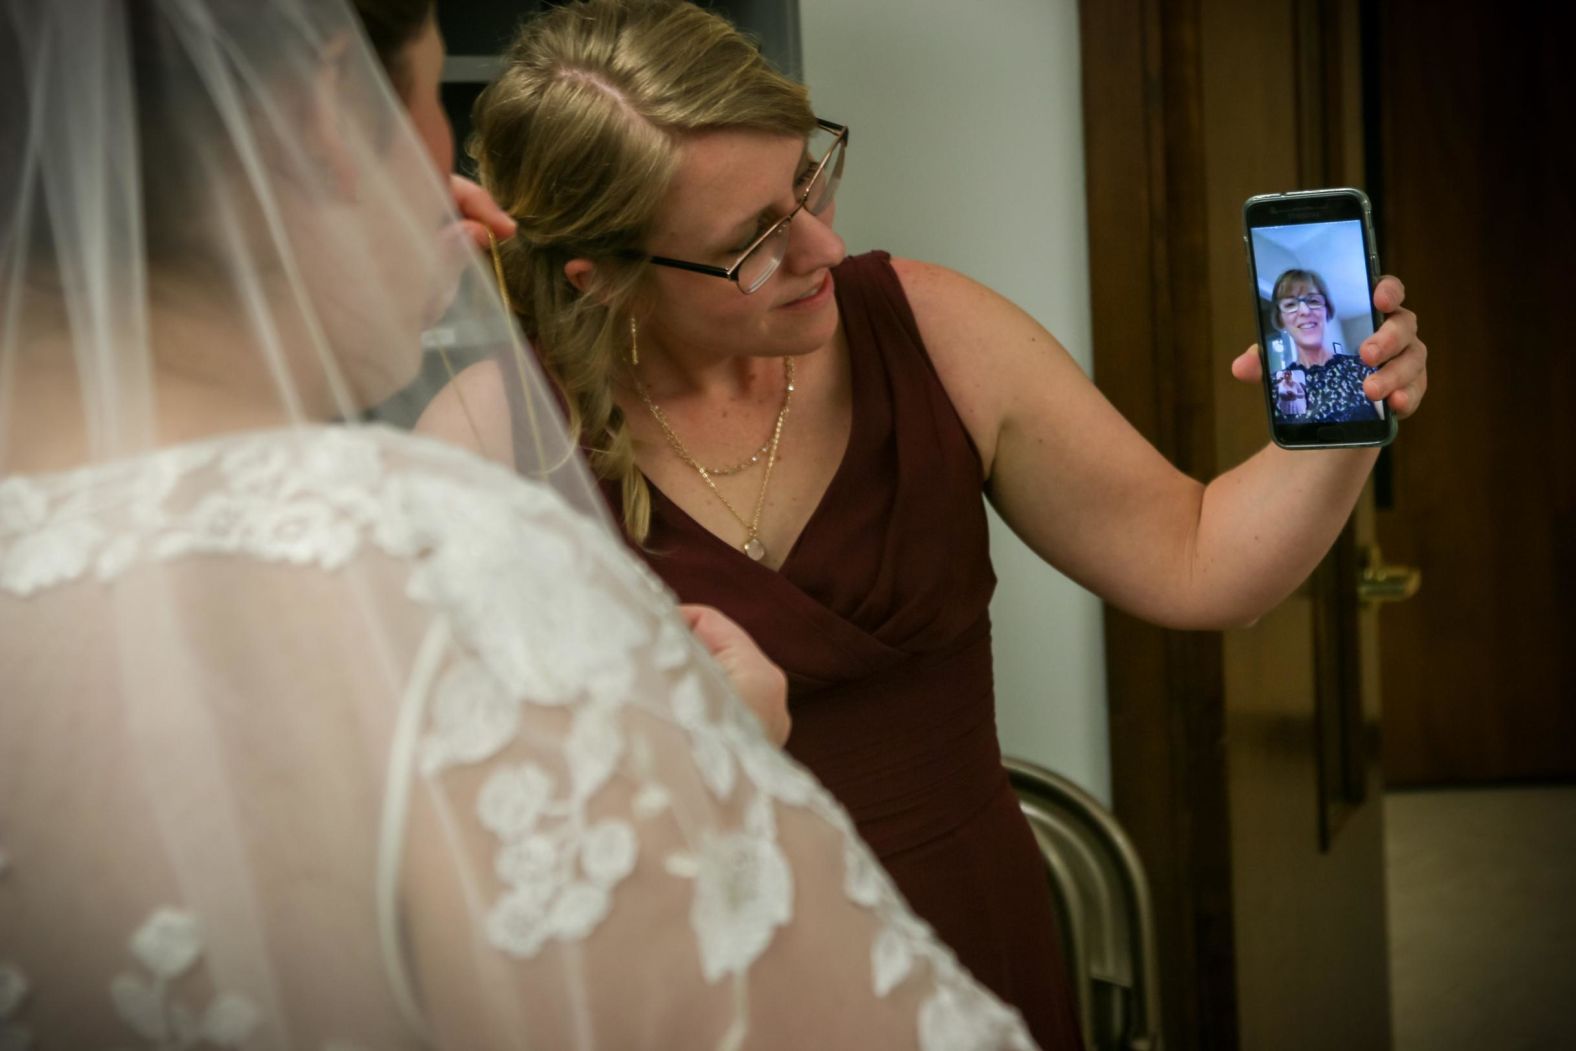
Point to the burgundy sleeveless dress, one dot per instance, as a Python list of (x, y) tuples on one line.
[(880, 617)]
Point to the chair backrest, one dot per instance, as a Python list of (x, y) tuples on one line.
[(1108, 930)]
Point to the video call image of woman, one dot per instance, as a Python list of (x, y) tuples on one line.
[(1317, 311)]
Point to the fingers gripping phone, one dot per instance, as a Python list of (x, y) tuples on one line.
[(1314, 265)]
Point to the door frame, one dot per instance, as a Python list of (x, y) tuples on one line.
[(1143, 156)]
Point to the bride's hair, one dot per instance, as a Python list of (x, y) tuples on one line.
[(578, 140), (219, 158), (170, 109), (173, 107), (391, 26)]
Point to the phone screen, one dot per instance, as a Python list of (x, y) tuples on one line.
[(1313, 270)]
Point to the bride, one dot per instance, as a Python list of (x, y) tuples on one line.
[(293, 752)]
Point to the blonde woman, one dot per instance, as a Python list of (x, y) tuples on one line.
[(802, 440)]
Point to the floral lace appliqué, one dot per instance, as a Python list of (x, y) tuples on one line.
[(743, 892), (472, 718), (13, 985), (13, 994), (168, 945), (560, 868)]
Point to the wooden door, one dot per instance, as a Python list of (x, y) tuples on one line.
[(1475, 118), (1243, 762)]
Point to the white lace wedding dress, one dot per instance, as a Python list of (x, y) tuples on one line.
[(338, 738)]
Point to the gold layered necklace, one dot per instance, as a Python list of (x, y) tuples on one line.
[(752, 545)]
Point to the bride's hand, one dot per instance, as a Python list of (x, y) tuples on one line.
[(754, 677)]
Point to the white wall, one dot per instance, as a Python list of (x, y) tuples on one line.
[(966, 149)]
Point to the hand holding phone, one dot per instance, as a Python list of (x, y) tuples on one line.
[(1314, 266)]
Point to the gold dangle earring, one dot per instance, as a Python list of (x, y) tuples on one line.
[(634, 343)]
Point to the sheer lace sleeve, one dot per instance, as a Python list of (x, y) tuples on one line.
[(434, 764)]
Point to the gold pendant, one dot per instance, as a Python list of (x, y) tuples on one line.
[(755, 549)]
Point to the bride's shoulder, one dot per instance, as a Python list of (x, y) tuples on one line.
[(428, 476), (318, 496), (353, 458)]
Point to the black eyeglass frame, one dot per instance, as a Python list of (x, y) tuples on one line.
[(731, 273), (1304, 301)]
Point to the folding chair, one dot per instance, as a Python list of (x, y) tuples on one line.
[(1102, 897)]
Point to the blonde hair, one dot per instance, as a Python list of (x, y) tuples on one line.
[(578, 139)]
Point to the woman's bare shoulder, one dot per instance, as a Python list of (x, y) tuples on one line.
[(988, 351)]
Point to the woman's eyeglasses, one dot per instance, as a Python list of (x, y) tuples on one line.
[(765, 254), (1313, 301)]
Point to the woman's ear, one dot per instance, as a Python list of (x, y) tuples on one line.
[(323, 121), (580, 272)]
